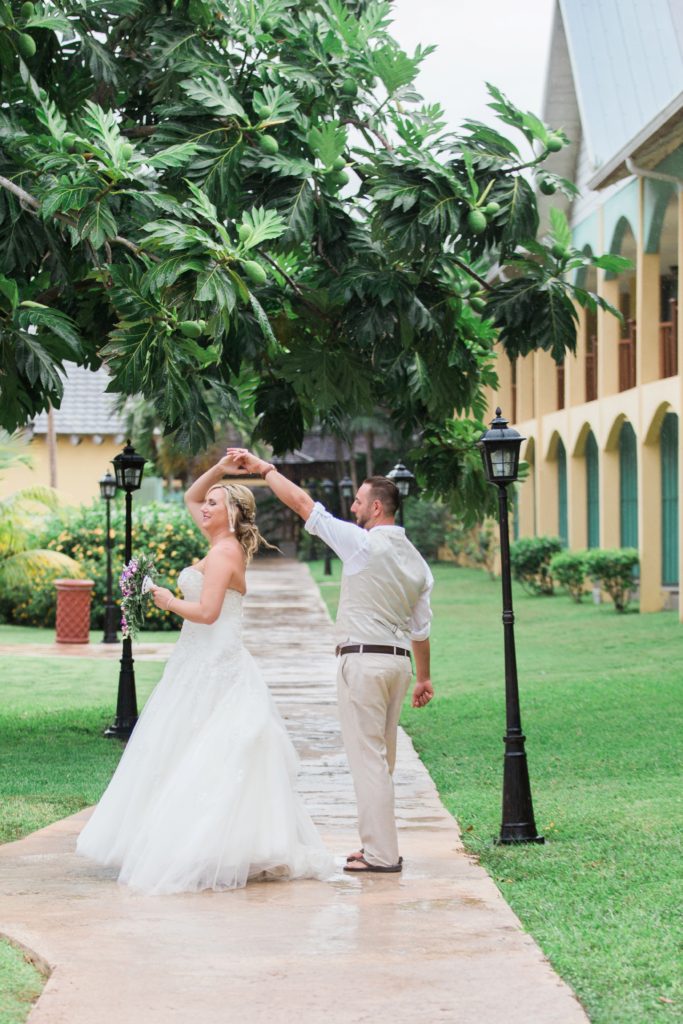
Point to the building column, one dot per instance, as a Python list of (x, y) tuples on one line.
[(650, 525), (525, 388), (608, 474), (545, 381), (647, 314), (545, 490), (609, 332), (577, 501), (526, 497), (575, 366)]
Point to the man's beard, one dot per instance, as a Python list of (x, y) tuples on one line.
[(361, 519)]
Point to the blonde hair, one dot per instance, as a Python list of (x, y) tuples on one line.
[(241, 507)]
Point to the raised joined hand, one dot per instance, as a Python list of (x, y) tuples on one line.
[(244, 461)]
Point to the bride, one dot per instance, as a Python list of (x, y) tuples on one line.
[(204, 795)]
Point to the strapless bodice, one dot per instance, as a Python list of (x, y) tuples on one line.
[(226, 631)]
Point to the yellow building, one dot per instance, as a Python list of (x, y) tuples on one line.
[(605, 462), (73, 447)]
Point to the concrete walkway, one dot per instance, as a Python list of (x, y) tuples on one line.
[(435, 944)]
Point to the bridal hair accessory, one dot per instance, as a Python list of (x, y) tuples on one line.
[(136, 581)]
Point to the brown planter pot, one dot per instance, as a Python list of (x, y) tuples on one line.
[(73, 611)]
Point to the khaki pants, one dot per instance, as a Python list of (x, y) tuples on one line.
[(371, 689)]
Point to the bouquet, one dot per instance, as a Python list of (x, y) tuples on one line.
[(136, 580)]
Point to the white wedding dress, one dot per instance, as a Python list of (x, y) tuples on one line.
[(204, 796)]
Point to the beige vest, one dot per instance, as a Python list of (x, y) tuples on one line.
[(375, 604)]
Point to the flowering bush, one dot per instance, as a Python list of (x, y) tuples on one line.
[(165, 532)]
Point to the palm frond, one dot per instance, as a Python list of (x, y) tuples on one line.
[(24, 568), (38, 494), (12, 449)]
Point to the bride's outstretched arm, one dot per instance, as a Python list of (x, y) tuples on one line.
[(196, 492), (288, 492)]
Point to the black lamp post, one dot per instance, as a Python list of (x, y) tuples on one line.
[(346, 491), (128, 467), (499, 449), (328, 490), (107, 492), (404, 481)]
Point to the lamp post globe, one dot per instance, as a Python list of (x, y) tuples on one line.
[(405, 481), (128, 467), (107, 492), (327, 487), (346, 491), (499, 448)]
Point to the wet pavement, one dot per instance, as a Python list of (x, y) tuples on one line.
[(435, 944)]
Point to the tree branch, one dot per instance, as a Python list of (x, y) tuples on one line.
[(468, 270), (366, 127), (291, 282), (28, 200)]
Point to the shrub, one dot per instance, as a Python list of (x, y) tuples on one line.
[(569, 569), (165, 532), (530, 559), (614, 571)]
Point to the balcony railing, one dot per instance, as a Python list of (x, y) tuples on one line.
[(627, 358), (560, 386), (668, 343), (592, 368)]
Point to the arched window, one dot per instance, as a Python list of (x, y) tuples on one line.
[(668, 446), (562, 527), (628, 488), (592, 493)]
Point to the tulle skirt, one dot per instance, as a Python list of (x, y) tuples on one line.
[(204, 796)]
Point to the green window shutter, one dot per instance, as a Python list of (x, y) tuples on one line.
[(668, 445), (592, 492), (562, 493), (628, 487)]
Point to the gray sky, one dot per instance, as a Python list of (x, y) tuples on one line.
[(498, 41)]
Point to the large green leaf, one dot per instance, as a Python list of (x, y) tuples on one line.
[(96, 223), (211, 91), (327, 141)]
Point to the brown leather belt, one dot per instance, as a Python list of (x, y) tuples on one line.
[(370, 649)]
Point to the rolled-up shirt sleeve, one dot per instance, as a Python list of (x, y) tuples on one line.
[(420, 622), (348, 541)]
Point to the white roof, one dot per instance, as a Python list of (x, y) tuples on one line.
[(627, 63), (86, 408)]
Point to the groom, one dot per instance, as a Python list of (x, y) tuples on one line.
[(383, 614)]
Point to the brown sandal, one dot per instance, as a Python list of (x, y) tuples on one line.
[(367, 867)]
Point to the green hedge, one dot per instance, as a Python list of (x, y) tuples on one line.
[(569, 569), (530, 560), (164, 531), (614, 570)]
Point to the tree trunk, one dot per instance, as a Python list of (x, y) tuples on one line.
[(52, 446)]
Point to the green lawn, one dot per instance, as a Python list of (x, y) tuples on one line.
[(602, 712), (53, 760), (601, 708), (20, 985)]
